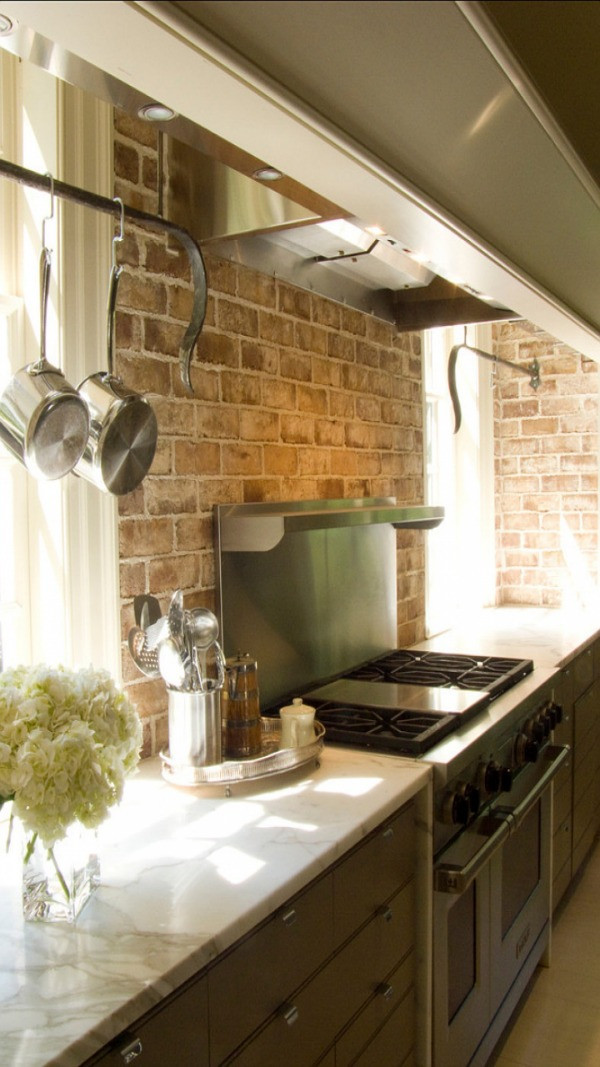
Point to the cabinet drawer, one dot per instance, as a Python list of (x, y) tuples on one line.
[(373, 873), (562, 880), (393, 1044), (585, 811), (562, 793), (586, 770), (561, 845), (583, 672), (587, 714), (362, 1031), (304, 1026), (182, 1025), (249, 984)]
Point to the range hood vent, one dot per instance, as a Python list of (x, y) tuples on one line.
[(310, 244)]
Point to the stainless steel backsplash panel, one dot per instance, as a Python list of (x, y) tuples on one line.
[(318, 602)]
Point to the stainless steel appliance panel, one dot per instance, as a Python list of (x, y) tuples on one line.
[(314, 605)]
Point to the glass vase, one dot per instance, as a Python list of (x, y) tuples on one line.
[(58, 882)]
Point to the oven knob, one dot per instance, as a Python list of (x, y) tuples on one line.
[(531, 751), (526, 750), (550, 716), (506, 779), (558, 711), (538, 733), (491, 778), (456, 808), (473, 795)]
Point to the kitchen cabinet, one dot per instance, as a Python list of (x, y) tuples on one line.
[(328, 979), (562, 813), (586, 747), (181, 1024), (577, 788)]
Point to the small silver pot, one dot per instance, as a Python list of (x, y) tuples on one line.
[(43, 420), (123, 428)]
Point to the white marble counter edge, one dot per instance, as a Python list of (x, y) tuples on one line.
[(146, 966)]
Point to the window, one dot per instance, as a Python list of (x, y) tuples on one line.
[(58, 544), (459, 475)]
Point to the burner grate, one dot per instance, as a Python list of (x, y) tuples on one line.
[(492, 674), (398, 731)]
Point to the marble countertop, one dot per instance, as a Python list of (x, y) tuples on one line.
[(549, 636), (183, 877)]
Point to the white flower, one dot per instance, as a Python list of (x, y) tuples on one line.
[(68, 739)]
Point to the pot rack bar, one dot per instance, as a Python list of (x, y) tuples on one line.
[(46, 183), (532, 371)]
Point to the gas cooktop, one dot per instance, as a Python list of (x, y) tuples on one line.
[(406, 702), (494, 674)]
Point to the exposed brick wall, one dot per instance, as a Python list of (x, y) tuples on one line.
[(546, 472), (296, 397)]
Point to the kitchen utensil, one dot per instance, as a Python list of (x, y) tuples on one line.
[(123, 428), (145, 659), (241, 708), (204, 627), (173, 666), (43, 420), (157, 632), (176, 615), (152, 610)]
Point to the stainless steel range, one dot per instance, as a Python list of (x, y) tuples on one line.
[(310, 589)]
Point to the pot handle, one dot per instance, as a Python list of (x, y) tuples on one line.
[(45, 267), (113, 285)]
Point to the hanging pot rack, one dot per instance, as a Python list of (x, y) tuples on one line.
[(532, 371), (46, 183)]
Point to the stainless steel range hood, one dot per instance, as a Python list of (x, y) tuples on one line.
[(407, 115), (214, 189), (246, 219)]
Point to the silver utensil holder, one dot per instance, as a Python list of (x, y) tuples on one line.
[(194, 727)]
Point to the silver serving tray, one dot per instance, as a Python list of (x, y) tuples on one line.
[(273, 761)]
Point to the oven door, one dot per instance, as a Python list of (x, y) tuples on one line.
[(491, 916)]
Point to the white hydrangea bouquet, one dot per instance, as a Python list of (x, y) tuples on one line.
[(68, 740)]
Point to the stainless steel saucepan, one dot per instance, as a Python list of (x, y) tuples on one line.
[(43, 420), (123, 427)]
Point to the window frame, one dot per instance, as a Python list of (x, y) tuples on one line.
[(459, 475), (59, 600)]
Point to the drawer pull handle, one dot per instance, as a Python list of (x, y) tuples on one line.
[(385, 990), (388, 833), (386, 913), (132, 1051), (289, 918), (289, 1012)]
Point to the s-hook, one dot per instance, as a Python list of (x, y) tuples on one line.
[(532, 371)]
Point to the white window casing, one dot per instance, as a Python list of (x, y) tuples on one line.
[(59, 597)]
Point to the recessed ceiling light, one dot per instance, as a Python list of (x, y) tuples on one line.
[(375, 231), (7, 25), (156, 113), (267, 174)]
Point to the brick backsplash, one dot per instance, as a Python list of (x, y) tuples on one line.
[(296, 397), (546, 455)]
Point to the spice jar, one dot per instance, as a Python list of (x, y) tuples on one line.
[(241, 708)]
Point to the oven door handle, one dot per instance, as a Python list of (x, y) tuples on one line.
[(450, 878)]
